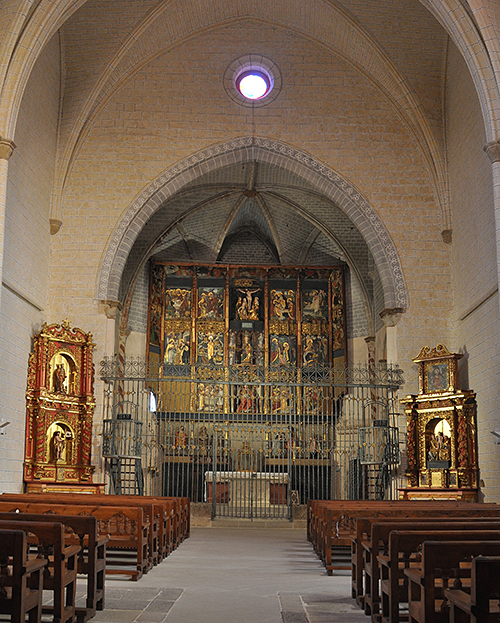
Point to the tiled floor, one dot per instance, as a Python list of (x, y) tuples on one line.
[(240, 575)]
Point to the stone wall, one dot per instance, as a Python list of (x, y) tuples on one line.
[(26, 261), (475, 309)]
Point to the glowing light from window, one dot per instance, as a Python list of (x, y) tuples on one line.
[(253, 84), (152, 402)]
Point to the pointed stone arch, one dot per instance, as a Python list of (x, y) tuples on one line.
[(321, 177)]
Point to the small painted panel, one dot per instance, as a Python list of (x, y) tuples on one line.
[(248, 303), (177, 303), (314, 350), (211, 348), (155, 307), (177, 348), (282, 304), (283, 350), (210, 302), (314, 304)]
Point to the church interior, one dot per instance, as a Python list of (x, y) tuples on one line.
[(201, 282)]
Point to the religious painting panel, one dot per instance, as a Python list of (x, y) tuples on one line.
[(247, 299), (314, 302), (177, 303), (283, 350), (211, 302), (155, 306), (281, 400), (283, 304), (314, 350), (247, 399), (209, 398), (210, 348), (177, 347)]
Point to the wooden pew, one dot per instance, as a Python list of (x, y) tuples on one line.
[(404, 554), (377, 543), (126, 527), (77, 499), (59, 575), (335, 521), (440, 562), (91, 559), (482, 604), (21, 578), (169, 517)]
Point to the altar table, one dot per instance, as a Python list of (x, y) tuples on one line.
[(246, 489)]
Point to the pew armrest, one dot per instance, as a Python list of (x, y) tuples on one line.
[(415, 575), (34, 564), (459, 598)]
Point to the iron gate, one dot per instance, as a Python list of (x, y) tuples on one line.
[(251, 442)]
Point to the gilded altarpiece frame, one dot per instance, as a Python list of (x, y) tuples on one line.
[(441, 431), (60, 405), (254, 320)]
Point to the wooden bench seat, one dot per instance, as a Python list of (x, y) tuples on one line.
[(169, 517), (59, 575), (404, 554), (442, 560), (481, 605), (334, 522), (378, 541), (76, 500), (126, 527), (91, 559), (21, 578), (362, 532)]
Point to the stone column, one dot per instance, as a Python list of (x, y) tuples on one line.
[(111, 309), (493, 151), (391, 317), (6, 150)]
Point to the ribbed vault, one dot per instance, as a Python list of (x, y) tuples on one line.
[(291, 206)]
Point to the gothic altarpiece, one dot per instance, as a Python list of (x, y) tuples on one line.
[(441, 431), (246, 337), (60, 408)]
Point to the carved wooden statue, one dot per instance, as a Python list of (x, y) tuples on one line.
[(60, 408)]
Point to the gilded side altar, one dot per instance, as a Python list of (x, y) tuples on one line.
[(441, 431), (60, 405)]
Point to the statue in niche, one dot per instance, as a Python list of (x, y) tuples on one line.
[(59, 378), (57, 444), (246, 350), (439, 447), (181, 440), (246, 399)]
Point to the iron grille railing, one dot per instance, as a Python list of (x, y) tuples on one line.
[(252, 440)]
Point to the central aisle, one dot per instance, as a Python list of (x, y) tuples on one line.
[(240, 575)]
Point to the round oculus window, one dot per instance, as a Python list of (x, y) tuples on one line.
[(253, 84), (253, 80)]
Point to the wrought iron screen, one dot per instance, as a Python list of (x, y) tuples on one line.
[(251, 441)]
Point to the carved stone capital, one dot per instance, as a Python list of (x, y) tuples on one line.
[(6, 148), (391, 316), (55, 226), (493, 151), (110, 309), (124, 333), (447, 236)]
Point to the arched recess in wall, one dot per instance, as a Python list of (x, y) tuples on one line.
[(129, 246)]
